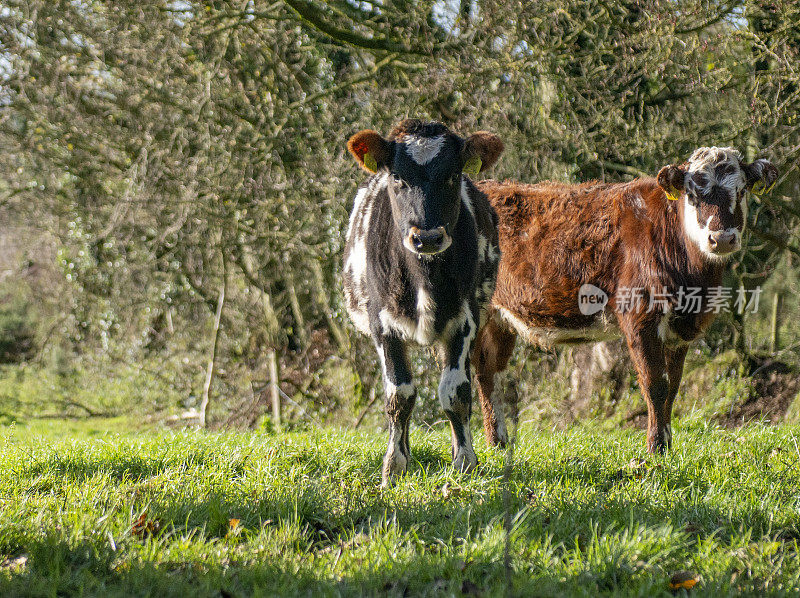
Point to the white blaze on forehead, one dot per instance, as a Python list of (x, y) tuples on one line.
[(423, 149)]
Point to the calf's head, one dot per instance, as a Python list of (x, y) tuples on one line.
[(711, 190), (425, 163)]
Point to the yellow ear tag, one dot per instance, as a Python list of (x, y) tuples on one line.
[(370, 162), (472, 166), (761, 189), (671, 196)]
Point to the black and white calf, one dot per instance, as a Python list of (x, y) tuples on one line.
[(420, 264)]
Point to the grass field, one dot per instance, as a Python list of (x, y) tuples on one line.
[(239, 514)]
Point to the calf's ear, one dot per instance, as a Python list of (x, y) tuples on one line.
[(481, 151), (370, 149), (761, 175), (670, 179)]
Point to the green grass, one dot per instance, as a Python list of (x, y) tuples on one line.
[(148, 514)]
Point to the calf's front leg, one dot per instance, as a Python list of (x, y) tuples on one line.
[(647, 354), (400, 398), (675, 356), (455, 390)]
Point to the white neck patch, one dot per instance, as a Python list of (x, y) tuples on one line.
[(697, 233), (423, 149)]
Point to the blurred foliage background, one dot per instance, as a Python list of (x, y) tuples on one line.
[(174, 189)]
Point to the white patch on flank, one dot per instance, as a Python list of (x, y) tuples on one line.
[(482, 246), (357, 207), (465, 197), (356, 262), (638, 205), (420, 330), (423, 149), (604, 329), (452, 378)]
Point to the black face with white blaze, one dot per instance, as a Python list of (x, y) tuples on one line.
[(426, 163), (711, 189)]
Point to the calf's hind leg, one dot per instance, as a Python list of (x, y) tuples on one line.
[(400, 398), (493, 349), (455, 390)]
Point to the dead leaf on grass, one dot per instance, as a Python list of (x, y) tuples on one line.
[(683, 580), (144, 527), (451, 491)]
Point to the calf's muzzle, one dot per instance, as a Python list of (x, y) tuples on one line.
[(427, 242), (723, 241)]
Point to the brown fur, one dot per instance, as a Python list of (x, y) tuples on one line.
[(555, 238)]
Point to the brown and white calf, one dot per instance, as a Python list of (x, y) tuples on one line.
[(420, 263), (563, 243)]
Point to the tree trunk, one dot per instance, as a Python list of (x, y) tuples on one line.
[(212, 362), (294, 302), (775, 323)]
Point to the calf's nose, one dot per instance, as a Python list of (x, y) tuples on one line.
[(427, 241), (722, 241)]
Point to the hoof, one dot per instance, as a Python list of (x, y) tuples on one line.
[(465, 461), (660, 443), (395, 464), (497, 437)]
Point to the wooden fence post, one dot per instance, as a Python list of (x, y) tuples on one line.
[(274, 388)]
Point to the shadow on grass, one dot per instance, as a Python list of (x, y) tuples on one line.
[(330, 512), (58, 568), (120, 468)]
